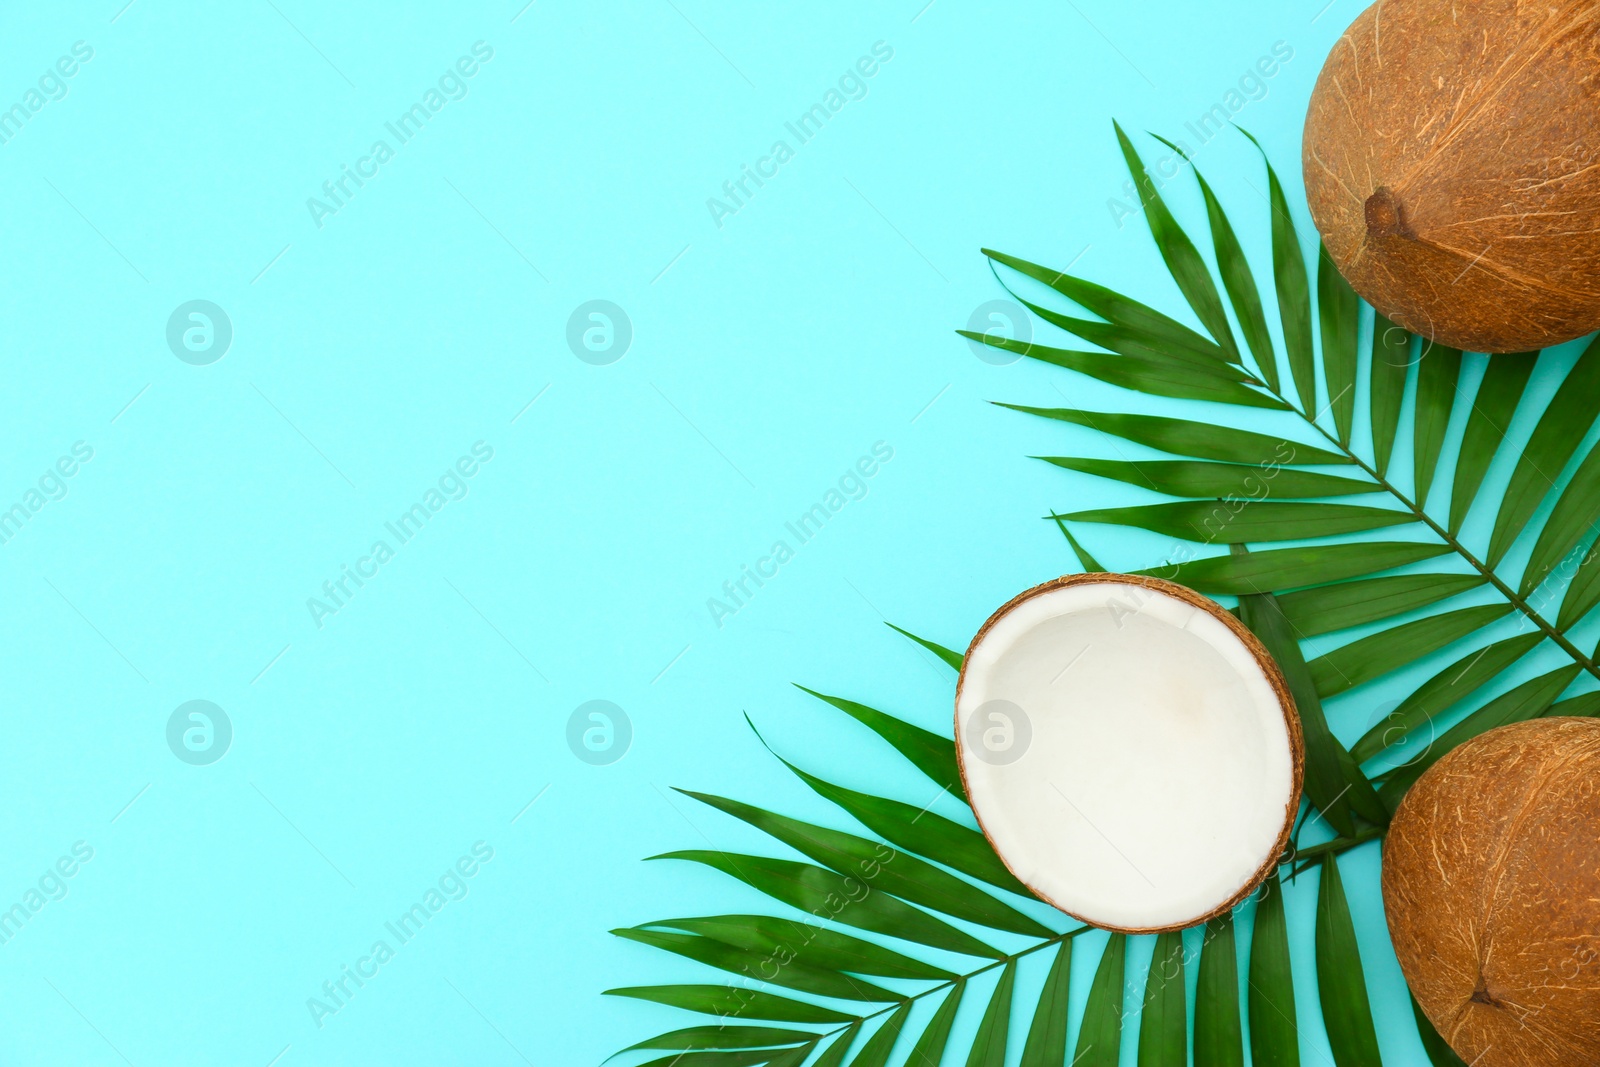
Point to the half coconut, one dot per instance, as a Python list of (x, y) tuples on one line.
[(1131, 751)]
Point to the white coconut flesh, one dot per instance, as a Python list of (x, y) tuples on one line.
[(1126, 753)]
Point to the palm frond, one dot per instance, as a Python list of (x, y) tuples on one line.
[(1371, 568)]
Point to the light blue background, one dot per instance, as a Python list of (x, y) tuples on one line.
[(368, 354)]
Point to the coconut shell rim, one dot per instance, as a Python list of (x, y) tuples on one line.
[(1269, 667)]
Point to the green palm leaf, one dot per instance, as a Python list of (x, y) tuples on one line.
[(1183, 437), (929, 1049), (1088, 563), (1437, 375), (1560, 429), (1337, 310), (1163, 1022), (931, 754), (1218, 1038), (819, 891), (1100, 1036), (1327, 608), (1526, 701), (920, 831), (919, 903), (1293, 568), (1211, 521), (793, 975), (1456, 682), (1373, 657), (1391, 355), (729, 1002), (1274, 1037), (769, 936), (1340, 982), (724, 1037), (1203, 479), (989, 1047), (875, 1053), (886, 869), (949, 656), (1047, 1035), (1487, 424)]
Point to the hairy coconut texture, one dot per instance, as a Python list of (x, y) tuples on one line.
[(1130, 750), (1491, 882), (1452, 163)]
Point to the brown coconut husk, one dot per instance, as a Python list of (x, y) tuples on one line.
[(1491, 884), (1452, 164)]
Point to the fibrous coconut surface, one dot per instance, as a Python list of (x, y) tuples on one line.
[(1452, 164), (1491, 885)]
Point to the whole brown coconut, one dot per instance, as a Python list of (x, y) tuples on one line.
[(1491, 883), (1452, 163)]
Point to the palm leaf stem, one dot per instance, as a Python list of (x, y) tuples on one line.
[(1512, 597), (945, 985)]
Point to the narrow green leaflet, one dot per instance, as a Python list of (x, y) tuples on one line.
[(921, 831), (1187, 477), (1238, 282), (836, 1052), (1437, 374), (875, 1053), (1147, 374), (882, 869), (1454, 683), (1337, 311), (732, 1002), (1376, 655), (1114, 307), (1439, 1053), (1163, 1023), (1341, 983), (1526, 701), (1293, 289), (792, 1058), (929, 1049), (989, 1046), (933, 755), (1391, 355), (950, 656), (1213, 521), (1490, 417), (1274, 1037), (1586, 705), (1179, 253), (1328, 608), (809, 943), (1327, 783), (1100, 1033), (1047, 1036), (821, 892), (1289, 568), (1128, 342), (1182, 437), (1584, 592), (1218, 1038), (793, 975), (724, 1037), (747, 1058), (1572, 519), (1089, 564), (1560, 429)]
